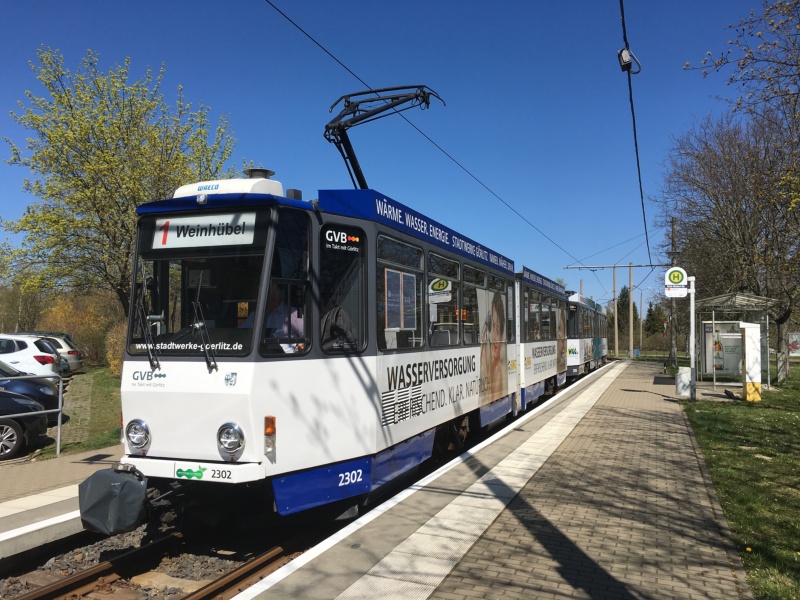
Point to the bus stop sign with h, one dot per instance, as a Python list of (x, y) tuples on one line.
[(678, 285)]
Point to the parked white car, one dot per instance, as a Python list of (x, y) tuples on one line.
[(29, 354), (64, 344), (68, 350)]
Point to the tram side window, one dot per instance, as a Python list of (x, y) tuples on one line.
[(561, 321), (534, 331), (443, 284), (469, 315), (286, 328), (587, 323), (573, 322), (511, 315), (342, 287), (399, 306), (546, 318)]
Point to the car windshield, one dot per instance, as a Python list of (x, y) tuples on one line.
[(7, 370)]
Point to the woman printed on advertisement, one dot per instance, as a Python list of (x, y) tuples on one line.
[(494, 377)]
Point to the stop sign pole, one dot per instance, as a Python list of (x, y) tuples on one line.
[(693, 383), (677, 285)]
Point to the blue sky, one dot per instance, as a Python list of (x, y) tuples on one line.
[(537, 108)]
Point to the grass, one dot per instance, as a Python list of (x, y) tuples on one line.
[(752, 450), (92, 401)]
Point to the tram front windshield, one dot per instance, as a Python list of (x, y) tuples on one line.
[(187, 301)]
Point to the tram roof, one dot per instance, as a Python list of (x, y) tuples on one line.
[(367, 204), (581, 299), (535, 279)]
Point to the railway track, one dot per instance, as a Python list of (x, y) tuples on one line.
[(117, 578), (101, 577), (137, 573)]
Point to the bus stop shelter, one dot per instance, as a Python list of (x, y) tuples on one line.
[(740, 307)]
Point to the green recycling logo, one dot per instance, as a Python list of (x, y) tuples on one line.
[(191, 473)]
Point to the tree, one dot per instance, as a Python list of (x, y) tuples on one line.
[(100, 146), (736, 232), (655, 319), (762, 54), (765, 60), (623, 307), (20, 309)]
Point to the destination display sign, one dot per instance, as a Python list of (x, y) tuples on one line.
[(204, 230)]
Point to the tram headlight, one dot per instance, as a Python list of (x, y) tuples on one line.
[(137, 433), (230, 438)]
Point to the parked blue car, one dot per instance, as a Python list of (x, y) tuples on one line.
[(42, 390), (18, 433)]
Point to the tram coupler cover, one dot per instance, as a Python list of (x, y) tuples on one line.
[(113, 501)]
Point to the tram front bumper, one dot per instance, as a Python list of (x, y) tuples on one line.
[(216, 472)]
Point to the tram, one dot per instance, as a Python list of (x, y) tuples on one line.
[(541, 335), (316, 350), (587, 342), (394, 333), (310, 352)]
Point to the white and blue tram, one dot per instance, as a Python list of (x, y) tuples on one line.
[(320, 349), (587, 335), (541, 334)]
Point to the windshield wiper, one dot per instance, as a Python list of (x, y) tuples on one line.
[(148, 336), (205, 338)]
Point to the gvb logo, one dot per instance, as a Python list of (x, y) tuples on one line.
[(147, 375), (340, 237)]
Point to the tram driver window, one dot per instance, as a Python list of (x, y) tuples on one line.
[(342, 288), (285, 326)]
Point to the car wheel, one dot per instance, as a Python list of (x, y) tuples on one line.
[(11, 439)]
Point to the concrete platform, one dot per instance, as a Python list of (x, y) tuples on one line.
[(601, 493), (39, 499)]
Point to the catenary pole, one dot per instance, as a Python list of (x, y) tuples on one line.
[(630, 312), (616, 317), (631, 266)]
